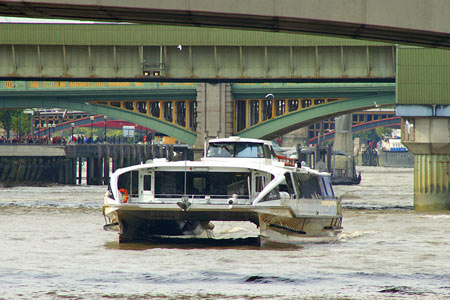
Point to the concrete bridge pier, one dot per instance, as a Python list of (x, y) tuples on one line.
[(343, 141), (428, 138), (214, 113)]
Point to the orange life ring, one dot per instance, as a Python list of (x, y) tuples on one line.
[(124, 195)]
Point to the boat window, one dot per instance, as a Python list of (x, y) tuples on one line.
[(169, 183), (267, 152), (272, 151), (147, 182), (230, 149), (289, 186), (129, 181), (214, 184), (308, 185), (249, 150), (259, 183), (274, 194), (220, 150), (328, 188)]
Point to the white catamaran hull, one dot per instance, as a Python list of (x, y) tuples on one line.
[(238, 180), (276, 224)]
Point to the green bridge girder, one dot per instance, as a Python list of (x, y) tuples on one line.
[(130, 52), (97, 91), (167, 128), (361, 96), (284, 124), (311, 90), (29, 94)]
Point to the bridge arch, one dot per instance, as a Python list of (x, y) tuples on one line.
[(289, 122), (169, 129)]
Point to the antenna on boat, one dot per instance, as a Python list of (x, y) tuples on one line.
[(204, 148), (185, 177)]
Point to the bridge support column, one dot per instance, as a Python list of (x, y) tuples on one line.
[(428, 138), (343, 138), (214, 112), (343, 141)]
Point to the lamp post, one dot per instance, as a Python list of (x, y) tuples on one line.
[(105, 119), (73, 126), (92, 128)]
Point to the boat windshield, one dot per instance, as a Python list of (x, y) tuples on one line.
[(240, 149), (200, 184)]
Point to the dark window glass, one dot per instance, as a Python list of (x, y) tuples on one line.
[(147, 182), (129, 181), (214, 184), (308, 185)]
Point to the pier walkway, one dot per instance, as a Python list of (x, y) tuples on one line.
[(40, 164)]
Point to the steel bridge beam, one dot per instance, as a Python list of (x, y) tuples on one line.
[(39, 94), (305, 90), (98, 91), (169, 129), (403, 21), (198, 63), (295, 120)]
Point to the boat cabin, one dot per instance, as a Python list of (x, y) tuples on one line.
[(235, 170), (215, 184)]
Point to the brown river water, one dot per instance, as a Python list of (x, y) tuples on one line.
[(53, 246)]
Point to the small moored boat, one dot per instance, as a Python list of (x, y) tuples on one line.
[(237, 180)]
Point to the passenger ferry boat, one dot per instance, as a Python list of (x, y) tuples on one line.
[(237, 180)]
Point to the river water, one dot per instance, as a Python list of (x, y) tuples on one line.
[(53, 247)]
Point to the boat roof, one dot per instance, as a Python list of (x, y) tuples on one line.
[(216, 164), (235, 139), (239, 164)]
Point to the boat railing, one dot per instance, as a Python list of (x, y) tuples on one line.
[(201, 196), (287, 161)]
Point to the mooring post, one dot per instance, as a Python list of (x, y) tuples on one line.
[(72, 179), (106, 162), (90, 170), (64, 165), (132, 154), (80, 169), (98, 168), (106, 170), (121, 156), (126, 154)]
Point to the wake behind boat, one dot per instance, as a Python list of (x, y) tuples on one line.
[(237, 180)]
